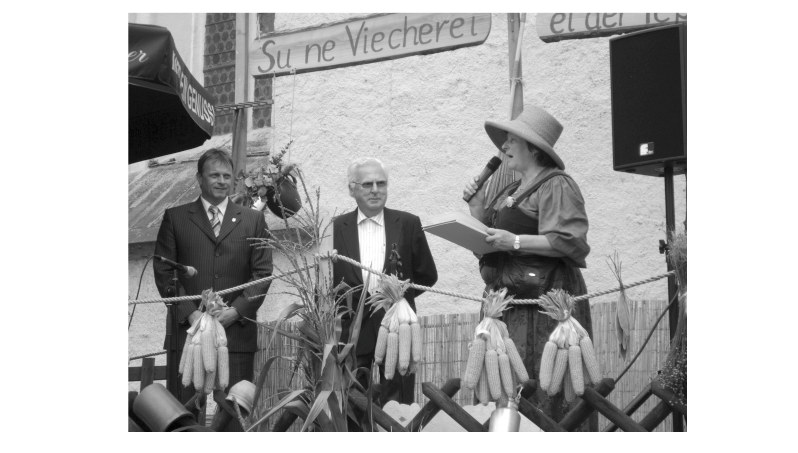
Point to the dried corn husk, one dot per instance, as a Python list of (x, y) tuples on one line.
[(389, 296), (623, 316), (207, 336), (567, 336), (483, 360)]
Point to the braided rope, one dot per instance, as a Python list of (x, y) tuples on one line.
[(615, 290), (512, 302), (152, 354), (335, 256), (412, 285), (222, 292)]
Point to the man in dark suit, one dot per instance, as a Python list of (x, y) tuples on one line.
[(211, 234), (367, 235)]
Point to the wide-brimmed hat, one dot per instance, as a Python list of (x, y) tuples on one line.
[(534, 125)]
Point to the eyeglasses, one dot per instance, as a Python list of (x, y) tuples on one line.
[(369, 185)]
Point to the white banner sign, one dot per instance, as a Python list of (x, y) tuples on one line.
[(366, 40), (559, 26)]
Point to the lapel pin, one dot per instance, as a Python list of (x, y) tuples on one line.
[(234, 219)]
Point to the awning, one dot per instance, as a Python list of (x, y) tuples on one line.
[(168, 109)]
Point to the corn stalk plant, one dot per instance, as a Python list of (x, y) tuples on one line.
[(674, 372), (328, 365)]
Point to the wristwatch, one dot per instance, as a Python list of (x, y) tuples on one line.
[(517, 243)]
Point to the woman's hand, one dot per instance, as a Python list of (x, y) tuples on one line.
[(477, 200), (501, 240)]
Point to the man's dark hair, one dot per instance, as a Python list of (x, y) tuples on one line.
[(214, 155), (542, 158)]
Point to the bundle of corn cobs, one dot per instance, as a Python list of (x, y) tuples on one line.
[(494, 368), (569, 360), (205, 359), (399, 339)]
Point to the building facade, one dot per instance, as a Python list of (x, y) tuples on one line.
[(423, 117)]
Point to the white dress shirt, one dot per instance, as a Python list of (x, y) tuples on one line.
[(222, 207), (371, 238)]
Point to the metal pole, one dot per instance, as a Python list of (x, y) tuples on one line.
[(503, 176), (172, 383), (673, 314), (670, 226), (517, 102), (240, 126), (239, 153)]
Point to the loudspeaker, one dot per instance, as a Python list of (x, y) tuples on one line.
[(648, 71)]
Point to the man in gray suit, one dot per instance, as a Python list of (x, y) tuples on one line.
[(211, 234)]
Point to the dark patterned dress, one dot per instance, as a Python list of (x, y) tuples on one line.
[(553, 207)]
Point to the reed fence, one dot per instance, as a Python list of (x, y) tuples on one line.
[(446, 338)]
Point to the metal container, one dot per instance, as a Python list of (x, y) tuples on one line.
[(505, 419)]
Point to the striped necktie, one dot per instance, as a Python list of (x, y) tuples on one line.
[(216, 224)]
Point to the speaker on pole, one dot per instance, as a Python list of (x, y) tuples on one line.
[(648, 71)]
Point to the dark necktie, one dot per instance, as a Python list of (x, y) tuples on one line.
[(216, 223)]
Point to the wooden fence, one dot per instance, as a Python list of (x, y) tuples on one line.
[(644, 314), (446, 339)]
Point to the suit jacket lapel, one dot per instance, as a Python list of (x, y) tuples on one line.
[(200, 218), (351, 242), (393, 233), (233, 211)]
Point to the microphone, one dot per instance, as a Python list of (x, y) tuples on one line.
[(489, 169), (188, 271)]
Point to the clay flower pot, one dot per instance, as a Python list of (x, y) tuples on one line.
[(244, 391), (161, 411), (287, 193)]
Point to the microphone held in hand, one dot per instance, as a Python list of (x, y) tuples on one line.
[(483, 177), (188, 271)]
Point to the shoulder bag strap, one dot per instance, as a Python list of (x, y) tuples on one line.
[(537, 185)]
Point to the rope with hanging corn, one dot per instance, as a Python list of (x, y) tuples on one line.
[(335, 256)]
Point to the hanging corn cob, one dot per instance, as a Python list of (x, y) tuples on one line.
[(476, 358), (568, 388), (494, 378), (205, 359), (547, 364), (569, 360), (382, 345), (494, 368), (481, 390), (399, 338), (558, 375), (222, 357), (391, 355)]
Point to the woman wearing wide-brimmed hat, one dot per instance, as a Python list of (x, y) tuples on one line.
[(538, 227)]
